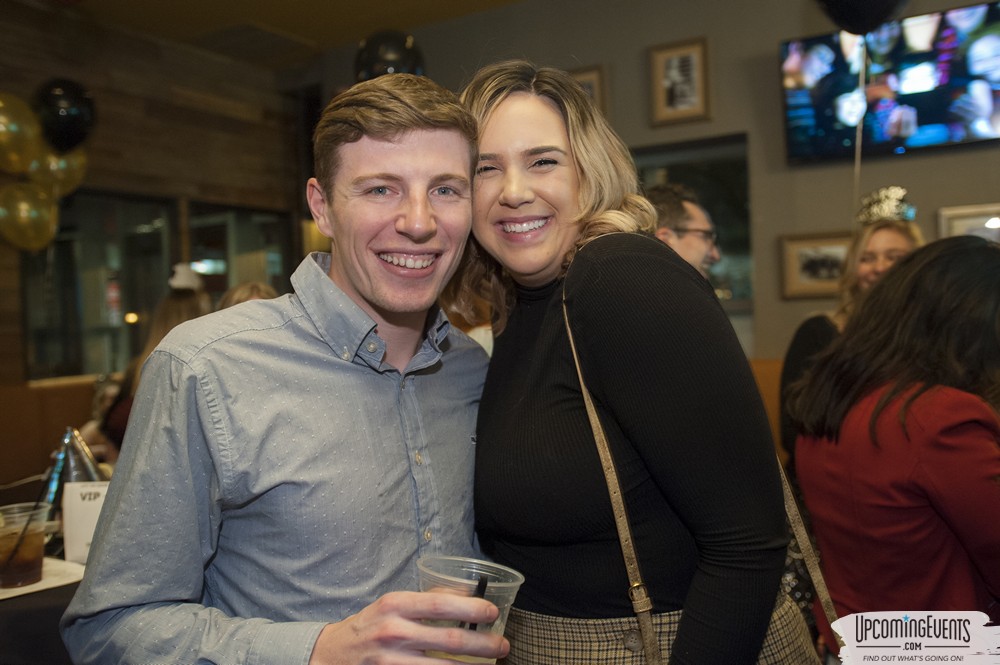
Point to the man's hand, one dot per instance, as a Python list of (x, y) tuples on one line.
[(392, 630)]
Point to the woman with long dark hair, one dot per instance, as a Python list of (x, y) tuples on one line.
[(899, 453)]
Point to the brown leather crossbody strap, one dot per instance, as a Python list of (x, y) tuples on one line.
[(642, 604)]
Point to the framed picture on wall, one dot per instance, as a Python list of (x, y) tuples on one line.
[(593, 81), (716, 169), (678, 77), (811, 264), (976, 220)]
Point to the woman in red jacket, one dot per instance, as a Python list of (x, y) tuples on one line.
[(899, 451)]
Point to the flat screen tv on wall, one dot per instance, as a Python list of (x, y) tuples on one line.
[(928, 81)]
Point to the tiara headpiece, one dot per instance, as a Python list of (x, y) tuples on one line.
[(886, 203)]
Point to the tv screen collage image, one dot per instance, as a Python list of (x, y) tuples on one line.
[(931, 80)]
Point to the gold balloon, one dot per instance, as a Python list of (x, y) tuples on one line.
[(20, 134), (29, 217), (59, 174)]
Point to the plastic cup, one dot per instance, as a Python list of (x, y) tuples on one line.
[(22, 543), (457, 574)]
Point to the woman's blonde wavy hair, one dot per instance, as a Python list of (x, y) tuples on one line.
[(885, 208), (610, 194)]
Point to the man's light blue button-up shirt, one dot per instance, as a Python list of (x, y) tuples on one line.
[(276, 476)]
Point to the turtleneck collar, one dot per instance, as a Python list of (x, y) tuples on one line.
[(536, 293)]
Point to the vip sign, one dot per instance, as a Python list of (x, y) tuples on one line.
[(81, 506)]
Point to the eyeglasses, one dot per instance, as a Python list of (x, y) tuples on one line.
[(708, 234)]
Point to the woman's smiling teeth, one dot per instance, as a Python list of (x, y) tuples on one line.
[(407, 261), (523, 227)]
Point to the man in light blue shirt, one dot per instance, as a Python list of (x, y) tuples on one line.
[(288, 460)]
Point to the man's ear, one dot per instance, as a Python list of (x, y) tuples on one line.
[(665, 235), (319, 208)]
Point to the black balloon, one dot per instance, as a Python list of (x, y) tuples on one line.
[(861, 16), (66, 113), (387, 52)]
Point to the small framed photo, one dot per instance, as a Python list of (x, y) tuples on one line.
[(811, 264), (976, 220), (593, 81), (679, 82)]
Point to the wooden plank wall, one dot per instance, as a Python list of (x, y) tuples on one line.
[(171, 121)]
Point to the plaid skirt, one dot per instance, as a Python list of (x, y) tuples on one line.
[(539, 639)]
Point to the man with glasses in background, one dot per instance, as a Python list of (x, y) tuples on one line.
[(685, 226)]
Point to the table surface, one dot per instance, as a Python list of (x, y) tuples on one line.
[(29, 627)]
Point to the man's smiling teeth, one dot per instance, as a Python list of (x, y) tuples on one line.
[(406, 261), (524, 227)]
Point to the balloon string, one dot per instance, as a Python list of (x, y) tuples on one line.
[(859, 129)]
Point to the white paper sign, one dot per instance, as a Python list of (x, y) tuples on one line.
[(81, 506)]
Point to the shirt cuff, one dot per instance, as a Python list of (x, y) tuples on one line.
[(289, 643)]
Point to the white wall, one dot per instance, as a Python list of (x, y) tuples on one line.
[(743, 53)]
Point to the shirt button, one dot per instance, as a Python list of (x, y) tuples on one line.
[(372, 347), (419, 459), (427, 535), (345, 355)]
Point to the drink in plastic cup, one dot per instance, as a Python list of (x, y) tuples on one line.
[(457, 574), (22, 543)]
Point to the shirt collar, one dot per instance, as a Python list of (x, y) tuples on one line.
[(348, 330)]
